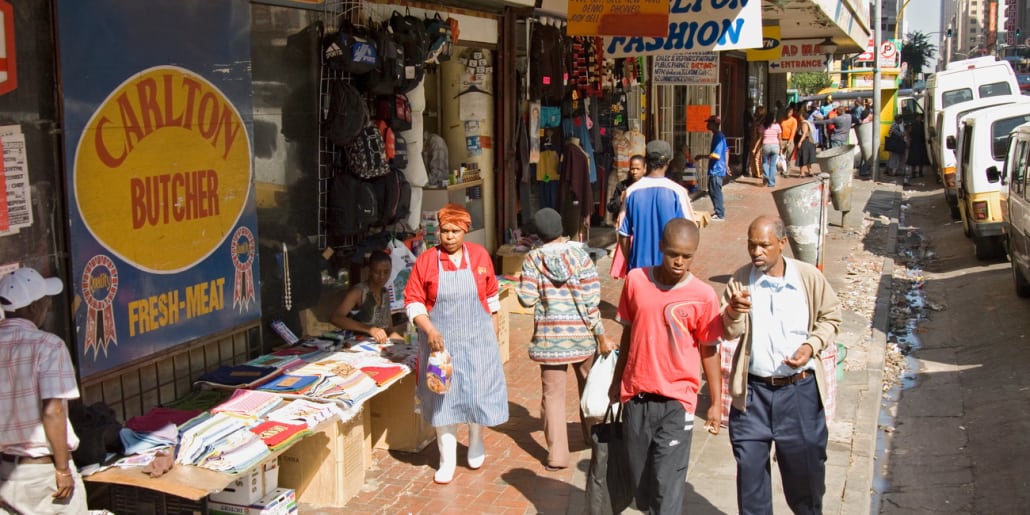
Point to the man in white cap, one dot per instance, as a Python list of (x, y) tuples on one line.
[(36, 439)]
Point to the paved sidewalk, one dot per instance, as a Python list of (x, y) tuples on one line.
[(513, 480)]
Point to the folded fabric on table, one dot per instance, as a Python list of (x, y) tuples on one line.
[(238, 375), (159, 417)]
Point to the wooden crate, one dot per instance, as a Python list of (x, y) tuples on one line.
[(510, 302), (394, 424), (328, 467)]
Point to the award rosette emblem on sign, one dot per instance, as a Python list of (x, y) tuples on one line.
[(243, 262), (99, 286)]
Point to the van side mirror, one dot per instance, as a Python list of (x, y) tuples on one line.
[(950, 143), (993, 174)]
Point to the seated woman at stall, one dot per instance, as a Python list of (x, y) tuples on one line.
[(366, 307)]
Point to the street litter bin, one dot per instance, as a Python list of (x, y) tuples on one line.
[(838, 163), (799, 209), (865, 141)]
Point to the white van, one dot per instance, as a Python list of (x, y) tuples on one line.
[(964, 81), (1015, 207), (982, 144), (944, 156)]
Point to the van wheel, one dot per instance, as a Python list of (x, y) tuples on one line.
[(988, 248), (966, 229), (1022, 285)]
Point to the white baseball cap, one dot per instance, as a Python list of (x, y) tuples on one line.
[(25, 286)]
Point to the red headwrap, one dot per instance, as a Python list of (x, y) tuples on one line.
[(455, 214)]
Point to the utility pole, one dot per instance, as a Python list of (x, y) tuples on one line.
[(877, 42)]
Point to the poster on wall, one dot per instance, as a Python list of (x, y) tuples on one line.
[(158, 127), (687, 68)]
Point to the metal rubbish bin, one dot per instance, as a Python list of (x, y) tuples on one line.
[(799, 208), (838, 163)]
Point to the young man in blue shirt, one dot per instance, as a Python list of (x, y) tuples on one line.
[(716, 167)]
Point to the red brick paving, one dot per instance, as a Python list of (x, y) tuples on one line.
[(513, 479)]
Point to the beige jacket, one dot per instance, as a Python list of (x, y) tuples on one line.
[(824, 315)]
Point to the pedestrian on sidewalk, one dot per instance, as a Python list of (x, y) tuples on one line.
[(650, 203), (716, 167), (918, 157), (452, 297), (789, 129), (560, 280), (637, 167), (755, 153), (770, 148), (785, 313), (672, 330), (805, 144), (36, 474)]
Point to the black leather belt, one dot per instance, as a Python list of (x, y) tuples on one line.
[(10, 458), (782, 381)]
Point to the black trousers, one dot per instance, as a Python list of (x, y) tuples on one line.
[(791, 416), (657, 432)]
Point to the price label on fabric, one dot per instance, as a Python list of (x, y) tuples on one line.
[(618, 18)]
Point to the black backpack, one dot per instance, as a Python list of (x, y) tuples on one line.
[(352, 206), (347, 114), (351, 49), (365, 156), (393, 194), (439, 39), (410, 34), (394, 110), (389, 74)]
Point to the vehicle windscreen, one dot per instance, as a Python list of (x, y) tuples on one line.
[(956, 96), (995, 89), (1000, 134)]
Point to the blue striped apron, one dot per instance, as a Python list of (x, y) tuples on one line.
[(478, 393)]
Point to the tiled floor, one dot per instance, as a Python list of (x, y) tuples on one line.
[(513, 480)]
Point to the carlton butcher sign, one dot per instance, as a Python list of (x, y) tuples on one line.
[(163, 221), (698, 25)]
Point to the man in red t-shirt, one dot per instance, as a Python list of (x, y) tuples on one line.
[(672, 330)]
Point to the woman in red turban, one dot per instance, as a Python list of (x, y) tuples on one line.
[(452, 298)]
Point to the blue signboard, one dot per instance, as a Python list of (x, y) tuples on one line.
[(158, 139)]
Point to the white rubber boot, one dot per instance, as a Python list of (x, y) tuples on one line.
[(477, 453), (447, 441)]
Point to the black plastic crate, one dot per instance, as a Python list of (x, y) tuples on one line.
[(142, 501)]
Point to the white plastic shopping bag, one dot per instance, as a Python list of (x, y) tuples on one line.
[(595, 394)]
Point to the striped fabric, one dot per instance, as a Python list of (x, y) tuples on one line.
[(561, 281)]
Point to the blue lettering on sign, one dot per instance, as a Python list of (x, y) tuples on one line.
[(683, 36), (695, 6)]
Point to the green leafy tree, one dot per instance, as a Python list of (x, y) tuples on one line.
[(917, 51), (809, 83)]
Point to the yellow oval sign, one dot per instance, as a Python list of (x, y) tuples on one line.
[(163, 170)]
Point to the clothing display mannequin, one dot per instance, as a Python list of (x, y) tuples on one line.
[(415, 172), (574, 189)]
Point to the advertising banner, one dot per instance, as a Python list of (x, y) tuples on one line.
[(158, 136), (617, 18), (697, 25), (799, 55), (690, 68)]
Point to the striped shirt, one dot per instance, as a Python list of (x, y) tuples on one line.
[(36, 366)]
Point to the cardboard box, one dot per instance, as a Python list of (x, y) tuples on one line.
[(328, 467), (224, 508), (504, 334), (510, 302), (246, 489), (511, 259), (702, 218), (280, 501), (270, 476), (394, 424)]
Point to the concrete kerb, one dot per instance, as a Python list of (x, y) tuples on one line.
[(857, 495)]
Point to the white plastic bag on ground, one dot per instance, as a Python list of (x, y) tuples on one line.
[(595, 394)]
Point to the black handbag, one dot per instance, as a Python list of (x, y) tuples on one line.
[(609, 487)]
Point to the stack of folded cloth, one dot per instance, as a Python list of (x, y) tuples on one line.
[(157, 428), (248, 404), (243, 376), (303, 411), (279, 435), (294, 384)]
